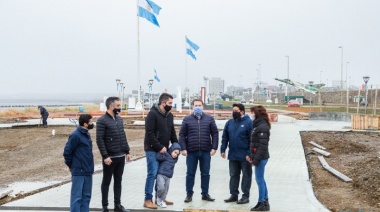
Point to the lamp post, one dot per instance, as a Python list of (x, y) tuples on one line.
[(347, 98), (122, 100), (286, 84), (366, 78), (117, 86), (150, 84), (121, 90), (341, 76), (310, 86)]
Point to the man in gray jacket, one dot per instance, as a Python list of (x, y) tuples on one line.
[(114, 148)]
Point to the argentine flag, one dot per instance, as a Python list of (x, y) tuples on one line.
[(189, 52), (192, 44), (147, 9)]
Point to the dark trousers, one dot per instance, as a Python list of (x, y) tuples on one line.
[(44, 120), (116, 170), (235, 168), (192, 159)]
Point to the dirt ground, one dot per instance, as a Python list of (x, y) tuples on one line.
[(355, 154), (32, 154)]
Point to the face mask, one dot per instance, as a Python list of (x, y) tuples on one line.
[(116, 110), (252, 117), (167, 108), (236, 115), (90, 126), (197, 111)]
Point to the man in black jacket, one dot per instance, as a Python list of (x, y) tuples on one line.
[(198, 138), (113, 146), (159, 130)]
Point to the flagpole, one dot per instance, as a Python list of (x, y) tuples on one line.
[(186, 85), (138, 105)]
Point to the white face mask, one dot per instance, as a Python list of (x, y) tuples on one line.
[(252, 116)]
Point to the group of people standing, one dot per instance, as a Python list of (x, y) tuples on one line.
[(246, 137)]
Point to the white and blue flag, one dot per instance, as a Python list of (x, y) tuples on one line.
[(156, 76), (189, 52), (192, 45), (148, 9)]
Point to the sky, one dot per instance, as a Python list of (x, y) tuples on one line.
[(82, 46)]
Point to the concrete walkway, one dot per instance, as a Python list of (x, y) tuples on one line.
[(286, 174)]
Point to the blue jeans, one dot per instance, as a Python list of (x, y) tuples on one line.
[(235, 168), (81, 189), (152, 169), (192, 159), (261, 184)]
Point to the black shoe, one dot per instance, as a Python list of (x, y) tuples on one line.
[(243, 200), (232, 198), (259, 207), (105, 209), (120, 208), (207, 197), (188, 198), (267, 206)]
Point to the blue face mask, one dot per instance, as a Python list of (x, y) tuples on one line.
[(197, 111)]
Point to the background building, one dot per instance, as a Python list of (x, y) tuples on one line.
[(216, 86)]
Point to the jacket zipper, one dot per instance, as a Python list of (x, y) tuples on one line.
[(199, 134)]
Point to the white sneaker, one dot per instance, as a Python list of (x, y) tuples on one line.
[(163, 204)]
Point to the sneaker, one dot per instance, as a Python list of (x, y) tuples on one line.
[(162, 204)]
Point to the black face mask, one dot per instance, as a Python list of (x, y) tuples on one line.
[(90, 126), (167, 108), (236, 115), (116, 110)]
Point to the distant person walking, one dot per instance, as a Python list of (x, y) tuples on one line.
[(165, 172), (236, 136), (159, 130), (44, 115), (259, 153), (80, 160), (198, 138), (113, 146)]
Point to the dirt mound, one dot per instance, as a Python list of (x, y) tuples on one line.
[(355, 154)]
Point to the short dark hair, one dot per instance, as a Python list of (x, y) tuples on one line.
[(84, 118), (240, 106), (111, 100), (164, 97), (197, 100)]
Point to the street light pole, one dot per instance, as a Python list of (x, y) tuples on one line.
[(150, 84), (117, 86), (366, 78), (121, 88), (286, 83), (310, 86), (123, 98), (341, 76), (347, 98)]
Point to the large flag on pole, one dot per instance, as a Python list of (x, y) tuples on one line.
[(189, 52), (148, 9), (156, 76), (193, 46)]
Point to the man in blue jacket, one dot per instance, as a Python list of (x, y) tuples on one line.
[(198, 138), (236, 136), (44, 115), (80, 160)]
